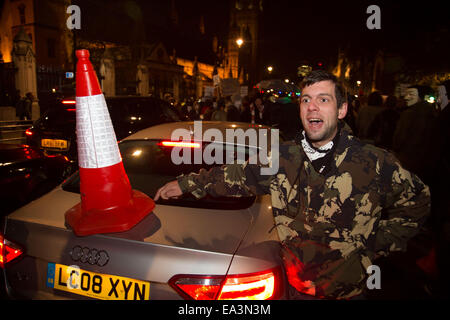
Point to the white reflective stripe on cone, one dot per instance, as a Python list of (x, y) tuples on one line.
[(97, 143)]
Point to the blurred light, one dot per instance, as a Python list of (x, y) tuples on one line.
[(180, 144), (358, 83), (137, 153), (269, 68), (239, 42), (286, 80), (53, 90), (430, 99)]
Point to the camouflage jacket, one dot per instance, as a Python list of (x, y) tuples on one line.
[(331, 226)]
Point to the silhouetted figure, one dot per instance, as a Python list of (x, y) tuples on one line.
[(383, 126), (416, 139), (367, 114)]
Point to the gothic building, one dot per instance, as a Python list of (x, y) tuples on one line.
[(242, 60)]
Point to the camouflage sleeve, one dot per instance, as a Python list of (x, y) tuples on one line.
[(228, 180), (407, 206)]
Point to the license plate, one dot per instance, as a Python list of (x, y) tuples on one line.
[(96, 285), (54, 144)]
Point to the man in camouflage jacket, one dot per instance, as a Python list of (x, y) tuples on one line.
[(337, 203)]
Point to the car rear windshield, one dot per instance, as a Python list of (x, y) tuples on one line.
[(150, 111), (149, 166), (58, 117)]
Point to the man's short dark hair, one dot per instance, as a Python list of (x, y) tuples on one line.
[(322, 75)]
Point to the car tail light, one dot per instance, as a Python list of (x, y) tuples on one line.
[(255, 286), (29, 132), (181, 144), (8, 251), (69, 102), (249, 287)]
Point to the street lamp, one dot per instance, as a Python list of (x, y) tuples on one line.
[(239, 42), (270, 68)]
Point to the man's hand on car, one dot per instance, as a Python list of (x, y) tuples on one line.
[(169, 190)]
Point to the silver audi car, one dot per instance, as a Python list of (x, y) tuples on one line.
[(207, 249)]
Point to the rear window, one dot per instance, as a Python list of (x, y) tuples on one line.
[(59, 116), (149, 167), (148, 111)]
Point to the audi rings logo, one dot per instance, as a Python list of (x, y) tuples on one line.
[(91, 256)]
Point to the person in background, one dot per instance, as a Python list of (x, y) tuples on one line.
[(367, 114), (19, 104), (231, 110), (441, 205), (384, 124), (219, 114), (416, 139), (350, 117)]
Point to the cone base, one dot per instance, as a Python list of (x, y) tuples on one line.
[(113, 220)]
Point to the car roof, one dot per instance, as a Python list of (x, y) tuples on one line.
[(165, 130)]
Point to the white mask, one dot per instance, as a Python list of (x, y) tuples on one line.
[(442, 98), (412, 96)]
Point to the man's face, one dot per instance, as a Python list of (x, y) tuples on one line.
[(319, 112), (412, 96)]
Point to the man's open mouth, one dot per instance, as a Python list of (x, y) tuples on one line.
[(315, 121)]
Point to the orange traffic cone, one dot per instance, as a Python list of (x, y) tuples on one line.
[(108, 204)]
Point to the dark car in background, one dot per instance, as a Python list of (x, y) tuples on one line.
[(54, 132), (26, 173)]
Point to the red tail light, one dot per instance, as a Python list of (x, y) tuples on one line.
[(69, 102), (181, 144), (255, 286), (8, 251), (29, 132)]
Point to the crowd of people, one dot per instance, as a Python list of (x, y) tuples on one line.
[(415, 129), (281, 112)]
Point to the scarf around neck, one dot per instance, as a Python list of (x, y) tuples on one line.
[(312, 152)]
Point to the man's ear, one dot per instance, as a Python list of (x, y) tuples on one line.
[(342, 111)]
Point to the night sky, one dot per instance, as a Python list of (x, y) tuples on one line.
[(292, 31), (312, 31)]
